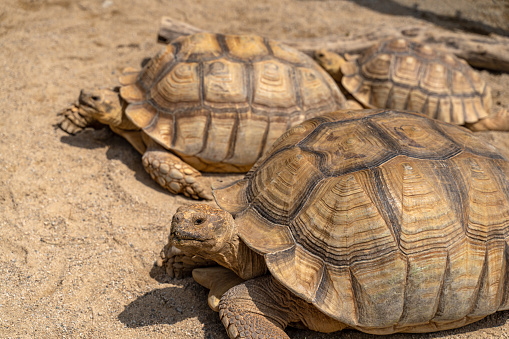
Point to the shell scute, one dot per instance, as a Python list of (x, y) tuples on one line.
[(190, 132), (347, 147), (179, 87), (415, 136), (224, 83), (273, 85)]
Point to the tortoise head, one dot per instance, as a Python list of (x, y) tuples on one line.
[(94, 108), (331, 62), (103, 105), (206, 231)]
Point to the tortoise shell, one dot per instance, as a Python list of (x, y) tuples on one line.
[(386, 221), (406, 75), (219, 101)]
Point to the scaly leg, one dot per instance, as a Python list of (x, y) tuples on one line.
[(262, 308), (73, 122), (174, 174), (218, 280), (252, 310), (179, 264)]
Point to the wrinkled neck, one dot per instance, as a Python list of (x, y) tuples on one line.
[(251, 264), (125, 123), (242, 260)]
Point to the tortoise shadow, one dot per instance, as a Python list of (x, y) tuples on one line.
[(119, 149), (88, 138), (172, 304), (450, 22)]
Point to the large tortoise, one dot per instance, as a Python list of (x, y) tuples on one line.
[(407, 75), (380, 220), (208, 102)]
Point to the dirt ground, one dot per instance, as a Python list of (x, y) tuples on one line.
[(81, 222)]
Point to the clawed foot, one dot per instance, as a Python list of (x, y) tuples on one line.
[(176, 176), (71, 121), (180, 265)]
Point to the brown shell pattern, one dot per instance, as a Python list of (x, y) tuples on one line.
[(406, 75), (220, 101), (386, 221)]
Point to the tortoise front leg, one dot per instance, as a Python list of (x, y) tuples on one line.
[(253, 310), (73, 121), (262, 308), (179, 264), (218, 280), (174, 174)]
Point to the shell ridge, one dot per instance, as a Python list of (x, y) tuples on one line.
[(221, 40), (154, 120), (205, 137), (310, 297), (440, 300), (358, 307), (385, 209), (294, 82), (265, 41), (322, 276), (233, 137), (263, 142), (388, 100), (404, 309), (456, 189), (481, 282), (249, 83), (201, 90), (504, 303)]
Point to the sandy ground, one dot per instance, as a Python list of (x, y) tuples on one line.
[(81, 222)]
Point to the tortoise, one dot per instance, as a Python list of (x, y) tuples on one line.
[(407, 75), (208, 102), (378, 220)]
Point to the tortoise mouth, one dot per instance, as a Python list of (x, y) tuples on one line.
[(179, 237)]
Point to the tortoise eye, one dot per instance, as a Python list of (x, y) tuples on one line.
[(199, 221)]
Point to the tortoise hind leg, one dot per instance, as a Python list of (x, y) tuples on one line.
[(262, 308), (497, 122), (175, 175)]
